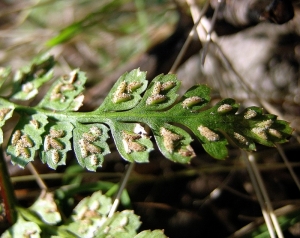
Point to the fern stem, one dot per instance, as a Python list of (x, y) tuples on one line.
[(99, 116), (7, 192)]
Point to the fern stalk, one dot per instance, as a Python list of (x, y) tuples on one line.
[(7, 192)]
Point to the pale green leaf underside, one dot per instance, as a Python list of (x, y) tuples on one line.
[(151, 234), (132, 141), (26, 139), (22, 228), (4, 75), (65, 93), (46, 208), (57, 143), (90, 144), (89, 219), (6, 112)]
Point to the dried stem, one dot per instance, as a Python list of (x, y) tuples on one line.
[(288, 165), (37, 177), (123, 184), (257, 190)]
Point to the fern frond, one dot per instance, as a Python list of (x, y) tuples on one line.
[(128, 110)]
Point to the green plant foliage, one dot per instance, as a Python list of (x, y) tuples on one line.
[(89, 20), (90, 145), (23, 228), (89, 219), (57, 144), (285, 221), (132, 141), (26, 139), (28, 79), (126, 92), (6, 112), (46, 208), (65, 93), (130, 111), (150, 234), (4, 75)]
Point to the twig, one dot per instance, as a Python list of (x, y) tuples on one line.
[(288, 165), (188, 40), (211, 29), (251, 226), (123, 183), (37, 177), (265, 196), (265, 214)]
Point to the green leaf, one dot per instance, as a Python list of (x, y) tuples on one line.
[(26, 139), (151, 234), (121, 225), (90, 144), (264, 128), (65, 93), (89, 20), (56, 144), (174, 143), (132, 141), (4, 74), (98, 203), (28, 79), (23, 228), (90, 219), (65, 34), (196, 98), (203, 123), (89, 215), (126, 92), (6, 112), (160, 94), (46, 208)]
